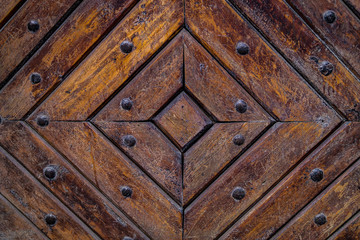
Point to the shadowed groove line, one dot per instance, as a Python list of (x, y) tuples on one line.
[(280, 179), (48, 193), (351, 8), (84, 177), (81, 59), (42, 41), (11, 14), (19, 212), (314, 199), (343, 226)]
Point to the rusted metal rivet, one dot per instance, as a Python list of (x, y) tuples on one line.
[(241, 106), (320, 219), (242, 48), (35, 78), (42, 120), (317, 175), (238, 193), (50, 219), (126, 191), (239, 139), (326, 68), (50, 173), (126, 104), (329, 16), (128, 238), (126, 46), (129, 140), (33, 26)]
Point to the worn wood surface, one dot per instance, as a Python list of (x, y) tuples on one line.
[(7, 6), (351, 230)]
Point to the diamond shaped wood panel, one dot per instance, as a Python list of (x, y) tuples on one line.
[(179, 119)]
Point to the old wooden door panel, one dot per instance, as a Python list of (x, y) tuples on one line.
[(179, 119)]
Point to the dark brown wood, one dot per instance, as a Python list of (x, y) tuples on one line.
[(350, 231), (6, 7)]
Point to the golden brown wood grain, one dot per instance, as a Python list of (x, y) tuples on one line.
[(350, 231), (70, 187), (214, 88), (338, 202), (16, 41), (207, 157), (297, 41), (34, 201), (148, 26), (277, 86), (333, 156), (110, 170), (56, 57), (6, 7), (151, 88), (153, 151)]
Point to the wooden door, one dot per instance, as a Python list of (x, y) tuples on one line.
[(180, 119)]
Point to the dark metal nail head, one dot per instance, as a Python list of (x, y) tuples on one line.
[(50, 219), (317, 175), (239, 139), (35, 78), (126, 104), (126, 191), (50, 173), (129, 140), (42, 120), (126, 46), (238, 193), (329, 16), (33, 26), (242, 48), (326, 68), (128, 238), (320, 219), (241, 106)]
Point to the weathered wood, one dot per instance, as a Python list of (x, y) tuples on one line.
[(69, 186), (16, 41), (290, 34), (153, 151), (35, 202), (338, 202), (204, 160), (76, 35), (111, 171), (148, 26), (214, 88), (354, 5), (343, 34), (333, 156), (278, 87), (6, 7), (350, 231), (258, 169), (151, 88), (13, 225)]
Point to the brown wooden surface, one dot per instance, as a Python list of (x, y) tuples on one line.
[(351, 230), (6, 7)]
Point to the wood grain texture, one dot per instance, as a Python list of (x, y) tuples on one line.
[(207, 157), (14, 226), (34, 201), (343, 34), (56, 57), (338, 202), (215, 88), (69, 186), (148, 26), (256, 170), (333, 156), (278, 87), (6, 7), (16, 41), (110, 170), (151, 88), (354, 5), (153, 151), (350, 231), (290, 34)]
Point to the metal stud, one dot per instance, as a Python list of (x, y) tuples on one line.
[(320, 219), (50, 173), (50, 219), (128, 238), (326, 68), (329, 16), (126, 191), (242, 48), (42, 120), (126, 104), (126, 46), (239, 139), (33, 26), (238, 193), (129, 140), (35, 78), (241, 106), (317, 175)]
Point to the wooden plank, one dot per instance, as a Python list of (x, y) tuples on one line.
[(334, 30), (13, 225), (277, 86), (6, 7), (35, 202), (255, 171), (290, 34), (354, 5), (150, 89), (110, 170), (208, 156), (69, 186), (16, 40), (338, 202), (80, 31), (333, 156), (350, 231), (148, 26), (153, 151)]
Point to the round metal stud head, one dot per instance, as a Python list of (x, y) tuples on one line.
[(329, 16), (320, 219), (35, 78), (42, 120), (50, 219), (326, 68), (242, 48), (238, 193), (129, 140), (317, 175), (128, 238), (33, 26), (241, 106), (50, 173), (126, 46), (126, 104), (239, 139), (126, 191)]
